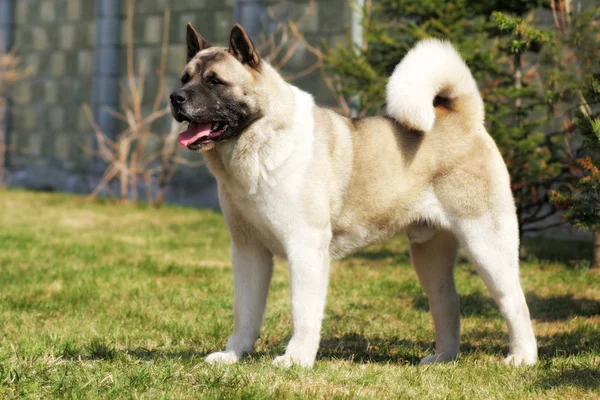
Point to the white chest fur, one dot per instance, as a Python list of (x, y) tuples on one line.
[(266, 172)]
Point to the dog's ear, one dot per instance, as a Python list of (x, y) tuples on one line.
[(242, 47), (195, 42)]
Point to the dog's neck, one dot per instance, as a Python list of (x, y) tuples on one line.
[(260, 153)]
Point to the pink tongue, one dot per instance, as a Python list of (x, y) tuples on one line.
[(193, 133)]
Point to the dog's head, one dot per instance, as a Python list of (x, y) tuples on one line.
[(219, 94)]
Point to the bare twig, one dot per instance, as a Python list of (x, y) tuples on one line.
[(11, 72), (333, 88), (129, 158), (162, 72), (279, 48)]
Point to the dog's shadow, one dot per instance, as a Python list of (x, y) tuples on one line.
[(363, 349), (373, 349), (100, 350), (543, 309), (572, 375), (382, 255)]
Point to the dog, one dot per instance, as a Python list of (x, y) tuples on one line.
[(304, 183)]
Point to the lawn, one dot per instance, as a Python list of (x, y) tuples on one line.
[(105, 301)]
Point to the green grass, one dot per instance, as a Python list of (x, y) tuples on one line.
[(106, 301)]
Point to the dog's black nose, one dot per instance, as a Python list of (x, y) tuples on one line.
[(179, 97)]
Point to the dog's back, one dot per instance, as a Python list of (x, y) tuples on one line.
[(428, 162)]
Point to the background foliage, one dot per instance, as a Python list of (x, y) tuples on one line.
[(531, 59)]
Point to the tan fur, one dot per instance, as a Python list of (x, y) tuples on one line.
[(375, 170), (390, 167), (307, 184)]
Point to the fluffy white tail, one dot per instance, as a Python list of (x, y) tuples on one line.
[(432, 68)]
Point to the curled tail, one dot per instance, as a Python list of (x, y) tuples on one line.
[(433, 68)]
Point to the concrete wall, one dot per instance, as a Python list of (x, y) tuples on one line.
[(6, 30), (77, 51), (48, 130)]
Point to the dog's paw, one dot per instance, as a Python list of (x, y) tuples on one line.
[(287, 361), (519, 359), (437, 358), (222, 357)]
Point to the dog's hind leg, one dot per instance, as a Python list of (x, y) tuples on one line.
[(434, 261), (493, 245)]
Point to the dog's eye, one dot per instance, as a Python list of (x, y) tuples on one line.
[(185, 79), (213, 80)]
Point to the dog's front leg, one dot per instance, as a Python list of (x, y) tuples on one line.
[(252, 270), (309, 276)]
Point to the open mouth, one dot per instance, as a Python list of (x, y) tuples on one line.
[(199, 135)]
